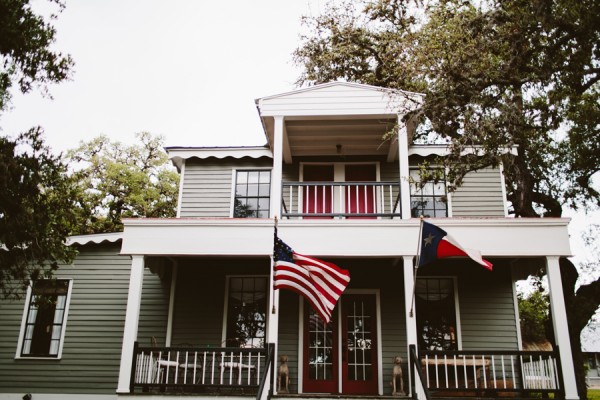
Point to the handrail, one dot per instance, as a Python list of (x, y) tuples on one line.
[(268, 367), (341, 199), (415, 366)]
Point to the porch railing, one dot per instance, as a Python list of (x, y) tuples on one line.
[(491, 371), (341, 199), (199, 369)]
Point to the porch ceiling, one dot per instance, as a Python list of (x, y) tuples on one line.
[(348, 136)]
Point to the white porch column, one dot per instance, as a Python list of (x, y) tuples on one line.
[(132, 316), (561, 330), (404, 170), (276, 179), (276, 172), (411, 320)]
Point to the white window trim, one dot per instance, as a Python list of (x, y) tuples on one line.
[(448, 194), (62, 332), (226, 304), (234, 172), (180, 194), (459, 346)]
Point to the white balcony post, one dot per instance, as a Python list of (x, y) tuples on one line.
[(132, 316), (404, 169), (561, 329), (411, 320), (276, 173)]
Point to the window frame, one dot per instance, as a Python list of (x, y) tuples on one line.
[(454, 280), (26, 307), (234, 175), (447, 195), (226, 304)]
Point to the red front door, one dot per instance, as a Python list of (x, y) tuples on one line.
[(353, 356)]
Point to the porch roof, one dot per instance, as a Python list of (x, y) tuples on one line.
[(494, 237)]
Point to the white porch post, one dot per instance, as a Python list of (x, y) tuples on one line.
[(561, 330), (404, 169), (411, 320), (132, 316), (276, 179)]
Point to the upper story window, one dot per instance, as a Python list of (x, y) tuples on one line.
[(436, 313), (252, 194), (428, 199), (246, 311), (46, 309)]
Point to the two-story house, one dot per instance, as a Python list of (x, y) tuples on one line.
[(186, 305)]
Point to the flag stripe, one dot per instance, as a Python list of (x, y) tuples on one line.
[(320, 282)]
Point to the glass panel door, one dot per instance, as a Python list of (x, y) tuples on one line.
[(320, 354), (359, 352)]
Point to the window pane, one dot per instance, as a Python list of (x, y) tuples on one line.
[(242, 177), (253, 176), (265, 177), (252, 189), (241, 190)]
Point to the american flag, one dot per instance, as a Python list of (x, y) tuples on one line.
[(319, 282)]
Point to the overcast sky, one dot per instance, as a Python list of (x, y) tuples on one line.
[(187, 70)]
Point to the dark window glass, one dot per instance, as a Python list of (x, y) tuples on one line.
[(252, 194), (428, 199), (45, 318), (246, 312), (436, 313)]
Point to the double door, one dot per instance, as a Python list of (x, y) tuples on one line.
[(341, 356)]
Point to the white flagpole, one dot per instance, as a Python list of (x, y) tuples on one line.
[(416, 268), (272, 272)]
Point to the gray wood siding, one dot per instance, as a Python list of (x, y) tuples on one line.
[(486, 303), (480, 195), (207, 185), (200, 295), (288, 335), (94, 333)]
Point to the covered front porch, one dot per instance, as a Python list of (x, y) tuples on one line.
[(199, 348)]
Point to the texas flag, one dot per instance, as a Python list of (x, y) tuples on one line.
[(436, 244)]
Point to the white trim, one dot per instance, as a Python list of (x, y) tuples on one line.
[(178, 155), (442, 150), (174, 273), (404, 169), (60, 396), (503, 184), (180, 194), (95, 238), (408, 270), (132, 316), (561, 330), (61, 343), (494, 237), (516, 307), (300, 345)]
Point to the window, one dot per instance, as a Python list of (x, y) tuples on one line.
[(436, 313), (428, 199), (246, 312), (44, 325), (252, 194)]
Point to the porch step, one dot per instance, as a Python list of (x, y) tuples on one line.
[(327, 396)]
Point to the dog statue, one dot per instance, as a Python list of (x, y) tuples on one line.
[(283, 375), (397, 381)]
